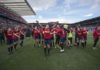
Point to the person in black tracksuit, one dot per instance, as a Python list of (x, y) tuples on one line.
[(1, 36), (22, 36)]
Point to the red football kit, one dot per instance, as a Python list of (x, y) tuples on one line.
[(16, 34), (58, 31), (84, 33), (62, 34), (96, 34), (36, 32), (79, 33), (47, 33), (9, 35)]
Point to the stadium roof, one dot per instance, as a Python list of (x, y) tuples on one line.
[(21, 7)]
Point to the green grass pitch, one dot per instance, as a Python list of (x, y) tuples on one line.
[(32, 58)]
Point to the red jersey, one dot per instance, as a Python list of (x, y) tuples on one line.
[(96, 33), (63, 33), (84, 33), (36, 32), (16, 34), (53, 31), (58, 31), (9, 35), (47, 33), (79, 33)]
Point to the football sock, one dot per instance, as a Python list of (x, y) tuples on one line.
[(45, 51), (11, 49)]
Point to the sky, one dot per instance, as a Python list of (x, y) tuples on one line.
[(64, 11)]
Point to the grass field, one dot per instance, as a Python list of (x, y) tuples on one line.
[(32, 58)]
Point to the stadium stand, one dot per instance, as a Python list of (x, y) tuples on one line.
[(90, 23), (9, 17)]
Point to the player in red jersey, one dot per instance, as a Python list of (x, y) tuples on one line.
[(53, 31), (84, 36), (22, 36), (53, 37), (78, 36), (9, 38), (41, 35), (96, 35), (36, 35), (62, 39), (47, 40), (16, 36), (58, 33)]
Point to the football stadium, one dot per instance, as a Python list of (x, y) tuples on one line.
[(49, 34)]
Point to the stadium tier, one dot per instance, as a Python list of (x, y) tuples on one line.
[(9, 17), (90, 22)]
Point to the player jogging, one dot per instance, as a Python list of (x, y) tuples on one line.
[(96, 35), (36, 36), (9, 38), (47, 40), (16, 37)]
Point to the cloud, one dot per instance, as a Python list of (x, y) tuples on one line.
[(46, 20), (82, 7), (69, 11), (82, 4), (79, 3), (96, 5), (89, 15), (39, 5)]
